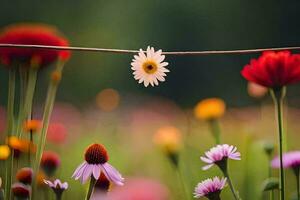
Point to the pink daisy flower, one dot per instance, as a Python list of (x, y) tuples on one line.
[(210, 188), (96, 158), (218, 154), (290, 160)]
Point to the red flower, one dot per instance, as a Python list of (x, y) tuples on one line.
[(273, 69), (57, 133), (35, 34), (50, 162)]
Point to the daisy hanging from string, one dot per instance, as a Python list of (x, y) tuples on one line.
[(149, 67)]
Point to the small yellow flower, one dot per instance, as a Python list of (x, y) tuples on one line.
[(32, 126), (209, 109), (168, 138), (4, 152)]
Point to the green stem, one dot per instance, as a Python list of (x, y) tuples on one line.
[(29, 148), (278, 95), (271, 195), (10, 120), (216, 130), (297, 170), (91, 188), (235, 194), (58, 195), (182, 183), (50, 100), (28, 101)]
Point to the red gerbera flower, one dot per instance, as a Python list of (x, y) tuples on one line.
[(273, 69), (35, 34)]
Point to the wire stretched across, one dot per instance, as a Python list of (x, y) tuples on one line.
[(126, 51)]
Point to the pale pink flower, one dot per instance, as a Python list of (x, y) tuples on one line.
[(220, 153), (149, 68)]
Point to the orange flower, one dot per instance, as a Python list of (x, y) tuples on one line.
[(211, 108), (41, 176), (21, 145), (168, 138), (24, 175), (32, 126)]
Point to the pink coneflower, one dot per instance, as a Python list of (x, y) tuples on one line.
[(96, 158), (210, 188), (220, 153), (57, 186), (21, 190), (290, 160)]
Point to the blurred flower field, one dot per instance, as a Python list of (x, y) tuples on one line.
[(124, 146)]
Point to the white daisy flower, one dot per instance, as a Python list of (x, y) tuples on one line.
[(149, 68)]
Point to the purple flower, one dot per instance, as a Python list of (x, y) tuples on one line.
[(220, 153), (96, 158), (290, 160), (57, 185), (210, 188)]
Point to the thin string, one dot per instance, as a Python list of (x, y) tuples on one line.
[(126, 51)]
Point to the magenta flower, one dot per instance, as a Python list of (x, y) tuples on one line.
[(210, 188), (290, 160), (220, 153), (96, 158)]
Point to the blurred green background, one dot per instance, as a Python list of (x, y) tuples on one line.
[(170, 25)]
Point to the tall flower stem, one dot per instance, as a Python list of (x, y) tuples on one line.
[(58, 196), (9, 128), (216, 130), (182, 183), (29, 148), (270, 175), (278, 96), (28, 98), (297, 175), (224, 168), (235, 194), (50, 99), (91, 188)]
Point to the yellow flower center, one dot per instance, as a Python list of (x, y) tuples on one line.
[(150, 67)]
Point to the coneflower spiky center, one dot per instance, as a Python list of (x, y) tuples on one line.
[(96, 154)]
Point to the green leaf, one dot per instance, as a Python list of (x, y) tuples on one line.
[(270, 184)]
